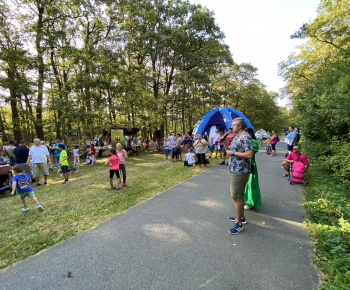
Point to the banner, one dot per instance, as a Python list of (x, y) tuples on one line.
[(117, 136)]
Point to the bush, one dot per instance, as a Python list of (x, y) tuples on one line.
[(328, 210)]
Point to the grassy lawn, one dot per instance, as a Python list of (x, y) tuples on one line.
[(82, 204)]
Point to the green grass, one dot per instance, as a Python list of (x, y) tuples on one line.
[(82, 204), (328, 210)]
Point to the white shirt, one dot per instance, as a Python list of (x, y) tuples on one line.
[(216, 137), (38, 154), (76, 152), (189, 157)]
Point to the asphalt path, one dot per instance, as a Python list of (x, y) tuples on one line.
[(179, 240)]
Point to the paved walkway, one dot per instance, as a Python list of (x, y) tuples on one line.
[(179, 240)]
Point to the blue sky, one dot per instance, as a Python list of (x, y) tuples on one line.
[(258, 31)]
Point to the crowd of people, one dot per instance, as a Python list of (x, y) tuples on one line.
[(239, 144), (195, 147), (28, 162)]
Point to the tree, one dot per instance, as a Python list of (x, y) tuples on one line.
[(15, 60)]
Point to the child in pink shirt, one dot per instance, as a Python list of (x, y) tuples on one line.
[(114, 168)]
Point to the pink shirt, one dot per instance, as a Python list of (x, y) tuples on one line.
[(114, 162), (229, 141), (302, 158), (121, 156), (274, 141)]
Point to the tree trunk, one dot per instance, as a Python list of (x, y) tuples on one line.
[(13, 104), (39, 105), (183, 114), (2, 129)]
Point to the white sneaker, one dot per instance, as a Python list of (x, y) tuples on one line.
[(248, 206)]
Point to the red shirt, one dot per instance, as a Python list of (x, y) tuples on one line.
[(229, 141), (93, 151), (302, 158)]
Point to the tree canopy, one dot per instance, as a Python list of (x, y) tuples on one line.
[(96, 65)]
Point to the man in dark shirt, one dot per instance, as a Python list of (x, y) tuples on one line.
[(21, 157)]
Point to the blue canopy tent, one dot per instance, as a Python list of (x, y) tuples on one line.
[(218, 118)]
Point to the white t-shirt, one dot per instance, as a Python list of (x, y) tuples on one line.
[(216, 137), (88, 142), (189, 157), (76, 152), (38, 154), (88, 160)]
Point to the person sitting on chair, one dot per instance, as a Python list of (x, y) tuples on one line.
[(293, 157)]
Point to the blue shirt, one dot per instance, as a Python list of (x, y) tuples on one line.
[(21, 154), (23, 183), (58, 152), (167, 145), (290, 136)]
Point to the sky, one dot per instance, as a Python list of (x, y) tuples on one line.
[(258, 32)]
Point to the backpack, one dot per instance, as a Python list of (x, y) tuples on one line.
[(12, 158), (298, 170), (278, 138)]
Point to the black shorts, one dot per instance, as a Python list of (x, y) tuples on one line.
[(111, 173), (64, 168)]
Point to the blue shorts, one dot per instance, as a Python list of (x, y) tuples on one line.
[(58, 158), (167, 152), (289, 148)]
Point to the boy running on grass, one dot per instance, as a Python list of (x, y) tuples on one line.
[(114, 168), (63, 162), (20, 182)]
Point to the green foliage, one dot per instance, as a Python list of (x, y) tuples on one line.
[(133, 64), (319, 83), (327, 207)]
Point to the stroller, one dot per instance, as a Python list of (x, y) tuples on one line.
[(160, 148), (296, 172), (5, 178)]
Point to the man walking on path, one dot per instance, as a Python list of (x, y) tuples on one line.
[(241, 150), (39, 155)]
